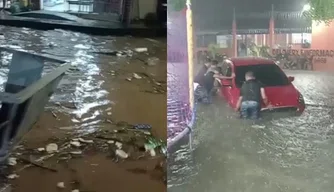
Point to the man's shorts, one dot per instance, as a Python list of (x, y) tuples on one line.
[(250, 110)]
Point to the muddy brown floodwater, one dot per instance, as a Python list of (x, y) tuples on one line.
[(94, 93)]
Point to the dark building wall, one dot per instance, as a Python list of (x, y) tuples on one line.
[(255, 14), (36, 4)]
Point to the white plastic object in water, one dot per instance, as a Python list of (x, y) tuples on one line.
[(12, 161), (75, 143), (61, 185), (141, 49), (52, 148), (85, 141), (118, 145), (122, 154)]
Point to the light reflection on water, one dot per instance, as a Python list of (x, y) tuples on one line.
[(283, 154)]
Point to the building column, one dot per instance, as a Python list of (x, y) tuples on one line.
[(190, 41), (234, 36)]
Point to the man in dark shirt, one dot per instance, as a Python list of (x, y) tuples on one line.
[(200, 91), (204, 92), (204, 81), (209, 78), (251, 95), (199, 78)]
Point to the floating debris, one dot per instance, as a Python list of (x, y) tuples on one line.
[(126, 53), (153, 40), (148, 147), (136, 76), (75, 190), (61, 185), (152, 61), (52, 148), (76, 152), (111, 142), (258, 126), (143, 126), (152, 152), (122, 154), (112, 73), (121, 54), (12, 161), (129, 79), (52, 44), (153, 143), (141, 49), (13, 176), (85, 141), (147, 133), (81, 46), (118, 145), (109, 53), (41, 149), (75, 143), (35, 163)]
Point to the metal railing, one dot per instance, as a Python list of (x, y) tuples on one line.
[(25, 94)]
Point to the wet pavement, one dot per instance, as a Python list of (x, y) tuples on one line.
[(279, 154), (96, 91)]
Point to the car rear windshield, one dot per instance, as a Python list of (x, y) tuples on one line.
[(268, 75)]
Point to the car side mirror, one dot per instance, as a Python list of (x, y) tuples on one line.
[(291, 79), (226, 82)]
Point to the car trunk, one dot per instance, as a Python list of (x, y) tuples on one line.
[(282, 96)]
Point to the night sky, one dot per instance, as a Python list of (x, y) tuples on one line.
[(218, 14)]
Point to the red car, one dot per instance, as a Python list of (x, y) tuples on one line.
[(278, 87)]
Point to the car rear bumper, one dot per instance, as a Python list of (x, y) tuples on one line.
[(298, 109)]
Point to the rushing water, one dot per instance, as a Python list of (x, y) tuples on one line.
[(95, 92), (287, 154), (82, 93)]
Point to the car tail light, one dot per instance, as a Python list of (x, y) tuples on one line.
[(301, 99)]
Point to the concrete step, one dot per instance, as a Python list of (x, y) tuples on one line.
[(109, 17)]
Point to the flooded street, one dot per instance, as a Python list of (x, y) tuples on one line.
[(94, 93), (283, 154)]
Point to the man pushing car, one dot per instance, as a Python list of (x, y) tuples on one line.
[(251, 96)]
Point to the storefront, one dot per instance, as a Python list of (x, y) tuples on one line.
[(67, 5)]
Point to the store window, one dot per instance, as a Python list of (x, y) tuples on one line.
[(300, 38), (222, 41), (205, 40)]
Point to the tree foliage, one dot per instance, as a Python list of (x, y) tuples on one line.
[(321, 10), (213, 49)]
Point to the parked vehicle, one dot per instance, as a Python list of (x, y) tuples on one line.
[(281, 93)]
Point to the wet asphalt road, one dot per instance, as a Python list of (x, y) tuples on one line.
[(284, 154)]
